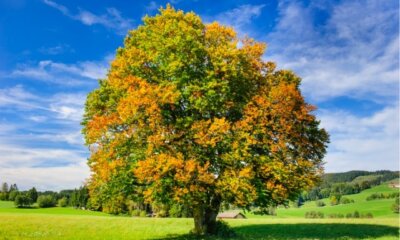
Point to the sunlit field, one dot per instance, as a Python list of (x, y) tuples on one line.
[(70, 223), (59, 226)]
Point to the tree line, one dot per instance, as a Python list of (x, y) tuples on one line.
[(77, 198), (338, 184)]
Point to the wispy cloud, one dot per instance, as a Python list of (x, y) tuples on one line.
[(112, 19), (59, 49), (68, 106), (43, 139), (353, 52), (62, 73), (47, 178), (152, 6), (25, 156), (60, 106), (240, 18), (19, 98)]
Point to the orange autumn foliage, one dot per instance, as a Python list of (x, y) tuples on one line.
[(187, 114)]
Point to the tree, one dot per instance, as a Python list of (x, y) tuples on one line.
[(33, 194), (46, 201), (4, 192), (191, 114), (79, 197), (4, 187), (62, 202), (13, 187), (13, 194), (22, 200)]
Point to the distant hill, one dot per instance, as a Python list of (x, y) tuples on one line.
[(359, 176), (380, 207), (346, 183)]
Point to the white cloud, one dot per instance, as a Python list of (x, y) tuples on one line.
[(46, 178), (62, 73), (364, 143), (57, 6), (6, 128), (68, 106), (353, 53), (17, 156), (64, 110), (70, 137), (41, 143), (37, 118), (112, 19), (19, 98), (32, 72)]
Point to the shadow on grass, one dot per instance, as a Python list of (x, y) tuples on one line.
[(304, 231)]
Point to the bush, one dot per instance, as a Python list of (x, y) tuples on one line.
[(63, 202), (336, 215), (223, 230), (335, 200), (160, 210), (3, 196), (45, 201), (135, 213), (396, 205), (320, 203), (369, 215), (162, 213), (143, 213), (272, 211), (175, 211), (22, 200), (345, 200), (114, 205), (376, 196), (314, 214), (356, 214)]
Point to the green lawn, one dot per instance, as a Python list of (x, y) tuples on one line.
[(51, 226), (8, 207), (69, 223)]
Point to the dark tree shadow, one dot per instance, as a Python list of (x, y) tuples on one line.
[(305, 231)]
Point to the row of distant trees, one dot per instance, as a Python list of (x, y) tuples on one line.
[(77, 198), (342, 184)]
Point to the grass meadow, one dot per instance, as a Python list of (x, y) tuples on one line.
[(69, 223), (379, 208)]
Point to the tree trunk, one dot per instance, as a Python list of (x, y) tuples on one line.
[(205, 217)]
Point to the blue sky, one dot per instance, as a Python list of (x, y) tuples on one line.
[(52, 52)]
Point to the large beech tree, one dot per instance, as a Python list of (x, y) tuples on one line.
[(190, 113)]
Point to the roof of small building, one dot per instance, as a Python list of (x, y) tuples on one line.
[(230, 215)]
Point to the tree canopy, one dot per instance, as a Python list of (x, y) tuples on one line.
[(191, 113)]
